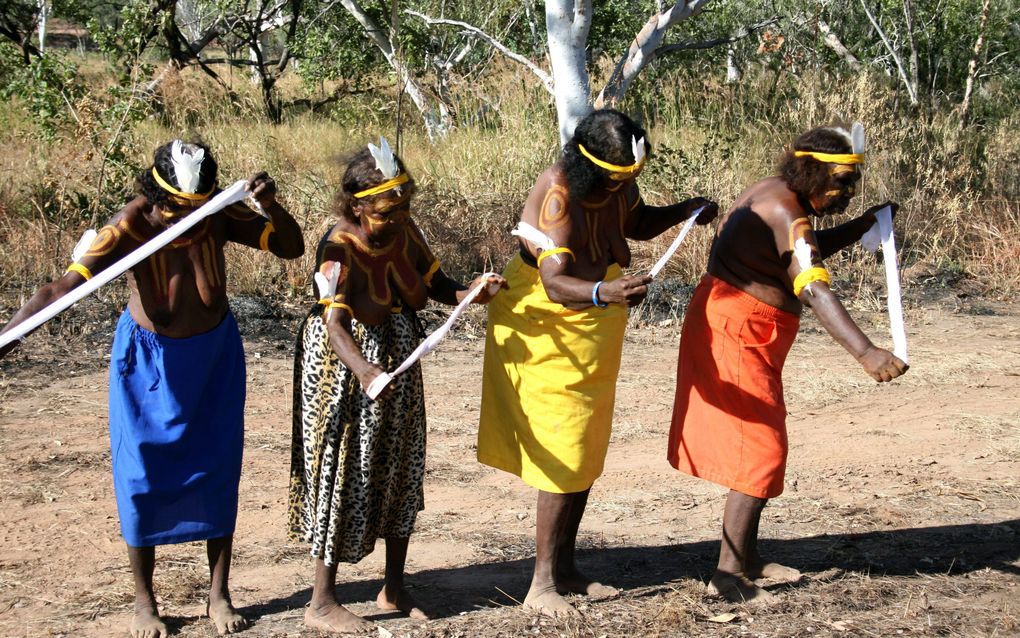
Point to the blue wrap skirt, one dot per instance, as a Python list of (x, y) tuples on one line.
[(176, 432)]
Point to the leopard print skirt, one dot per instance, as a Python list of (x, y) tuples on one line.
[(357, 465)]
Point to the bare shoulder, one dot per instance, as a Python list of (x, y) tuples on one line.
[(774, 202)]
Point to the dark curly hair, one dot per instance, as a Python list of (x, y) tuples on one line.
[(361, 173), (806, 175), (606, 134), (145, 183)]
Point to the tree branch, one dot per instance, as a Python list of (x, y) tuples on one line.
[(643, 48), (544, 77), (911, 90), (739, 34)]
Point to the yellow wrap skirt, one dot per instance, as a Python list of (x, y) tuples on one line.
[(549, 384)]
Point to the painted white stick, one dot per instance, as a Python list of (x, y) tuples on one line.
[(676, 242), (228, 196), (430, 342), (882, 232)]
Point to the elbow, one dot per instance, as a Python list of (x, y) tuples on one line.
[(292, 250)]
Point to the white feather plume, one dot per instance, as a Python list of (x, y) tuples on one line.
[(637, 147), (83, 244), (529, 233), (326, 286), (187, 166), (802, 251), (384, 159), (842, 131), (857, 137)]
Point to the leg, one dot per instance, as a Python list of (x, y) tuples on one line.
[(740, 528), (219, 608), (146, 622), (393, 595), (756, 567), (554, 514), (568, 579), (324, 613)]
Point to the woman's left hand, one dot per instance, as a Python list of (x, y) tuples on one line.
[(495, 283)]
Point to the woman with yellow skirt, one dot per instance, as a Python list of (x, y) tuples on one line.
[(555, 337)]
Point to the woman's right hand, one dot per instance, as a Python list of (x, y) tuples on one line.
[(629, 289), (368, 375), (882, 365)]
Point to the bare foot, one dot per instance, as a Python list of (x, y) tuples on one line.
[(402, 601), (775, 572), (548, 602), (737, 588), (146, 622), (577, 583), (225, 617), (334, 618)]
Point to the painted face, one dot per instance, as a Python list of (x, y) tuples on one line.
[(840, 190), (385, 215)]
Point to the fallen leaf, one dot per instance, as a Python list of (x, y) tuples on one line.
[(723, 618)]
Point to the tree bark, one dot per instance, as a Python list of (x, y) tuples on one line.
[(972, 66), (911, 88), (437, 121), (832, 41), (567, 24), (644, 48)]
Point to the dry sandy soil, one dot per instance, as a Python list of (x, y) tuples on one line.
[(902, 504)]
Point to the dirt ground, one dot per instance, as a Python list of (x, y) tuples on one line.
[(902, 501)]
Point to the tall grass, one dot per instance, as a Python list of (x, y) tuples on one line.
[(958, 190)]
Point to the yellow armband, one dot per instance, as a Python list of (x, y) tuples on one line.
[(337, 304), (81, 270), (266, 232), (433, 269), (550, 253), (808, 276)]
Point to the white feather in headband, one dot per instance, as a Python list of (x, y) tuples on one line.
[(187, 166), (384, 158)]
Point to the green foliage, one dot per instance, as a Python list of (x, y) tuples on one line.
[(45, 85)]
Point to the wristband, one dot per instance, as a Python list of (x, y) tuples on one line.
[(595, 295)]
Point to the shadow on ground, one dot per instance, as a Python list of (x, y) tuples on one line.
[(951, 549)]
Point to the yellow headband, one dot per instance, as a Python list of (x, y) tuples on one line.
[(180, 197), (831, 158), (618, 173), (385, 186)]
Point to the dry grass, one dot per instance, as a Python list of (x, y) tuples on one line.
[(959, 193)]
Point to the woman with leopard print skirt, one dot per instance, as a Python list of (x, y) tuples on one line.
[(357, 464)]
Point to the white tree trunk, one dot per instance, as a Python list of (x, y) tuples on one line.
[(567, 23), (437, 121), (733, 74), (643, 49), (973, 64), (44, 14)]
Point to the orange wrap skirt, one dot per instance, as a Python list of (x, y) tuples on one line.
[(729, 417)]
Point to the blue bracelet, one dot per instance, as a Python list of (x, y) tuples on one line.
[(595, 295)]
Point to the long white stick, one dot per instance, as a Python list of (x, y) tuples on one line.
[(676, 242), (228, 196), (430, 342), (882, 233), (892, 279)]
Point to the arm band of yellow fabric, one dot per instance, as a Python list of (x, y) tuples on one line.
[(554, 251), (433, 269), (833, 158), (266, 232), (809, 276), (81, 270), (337, 304)]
